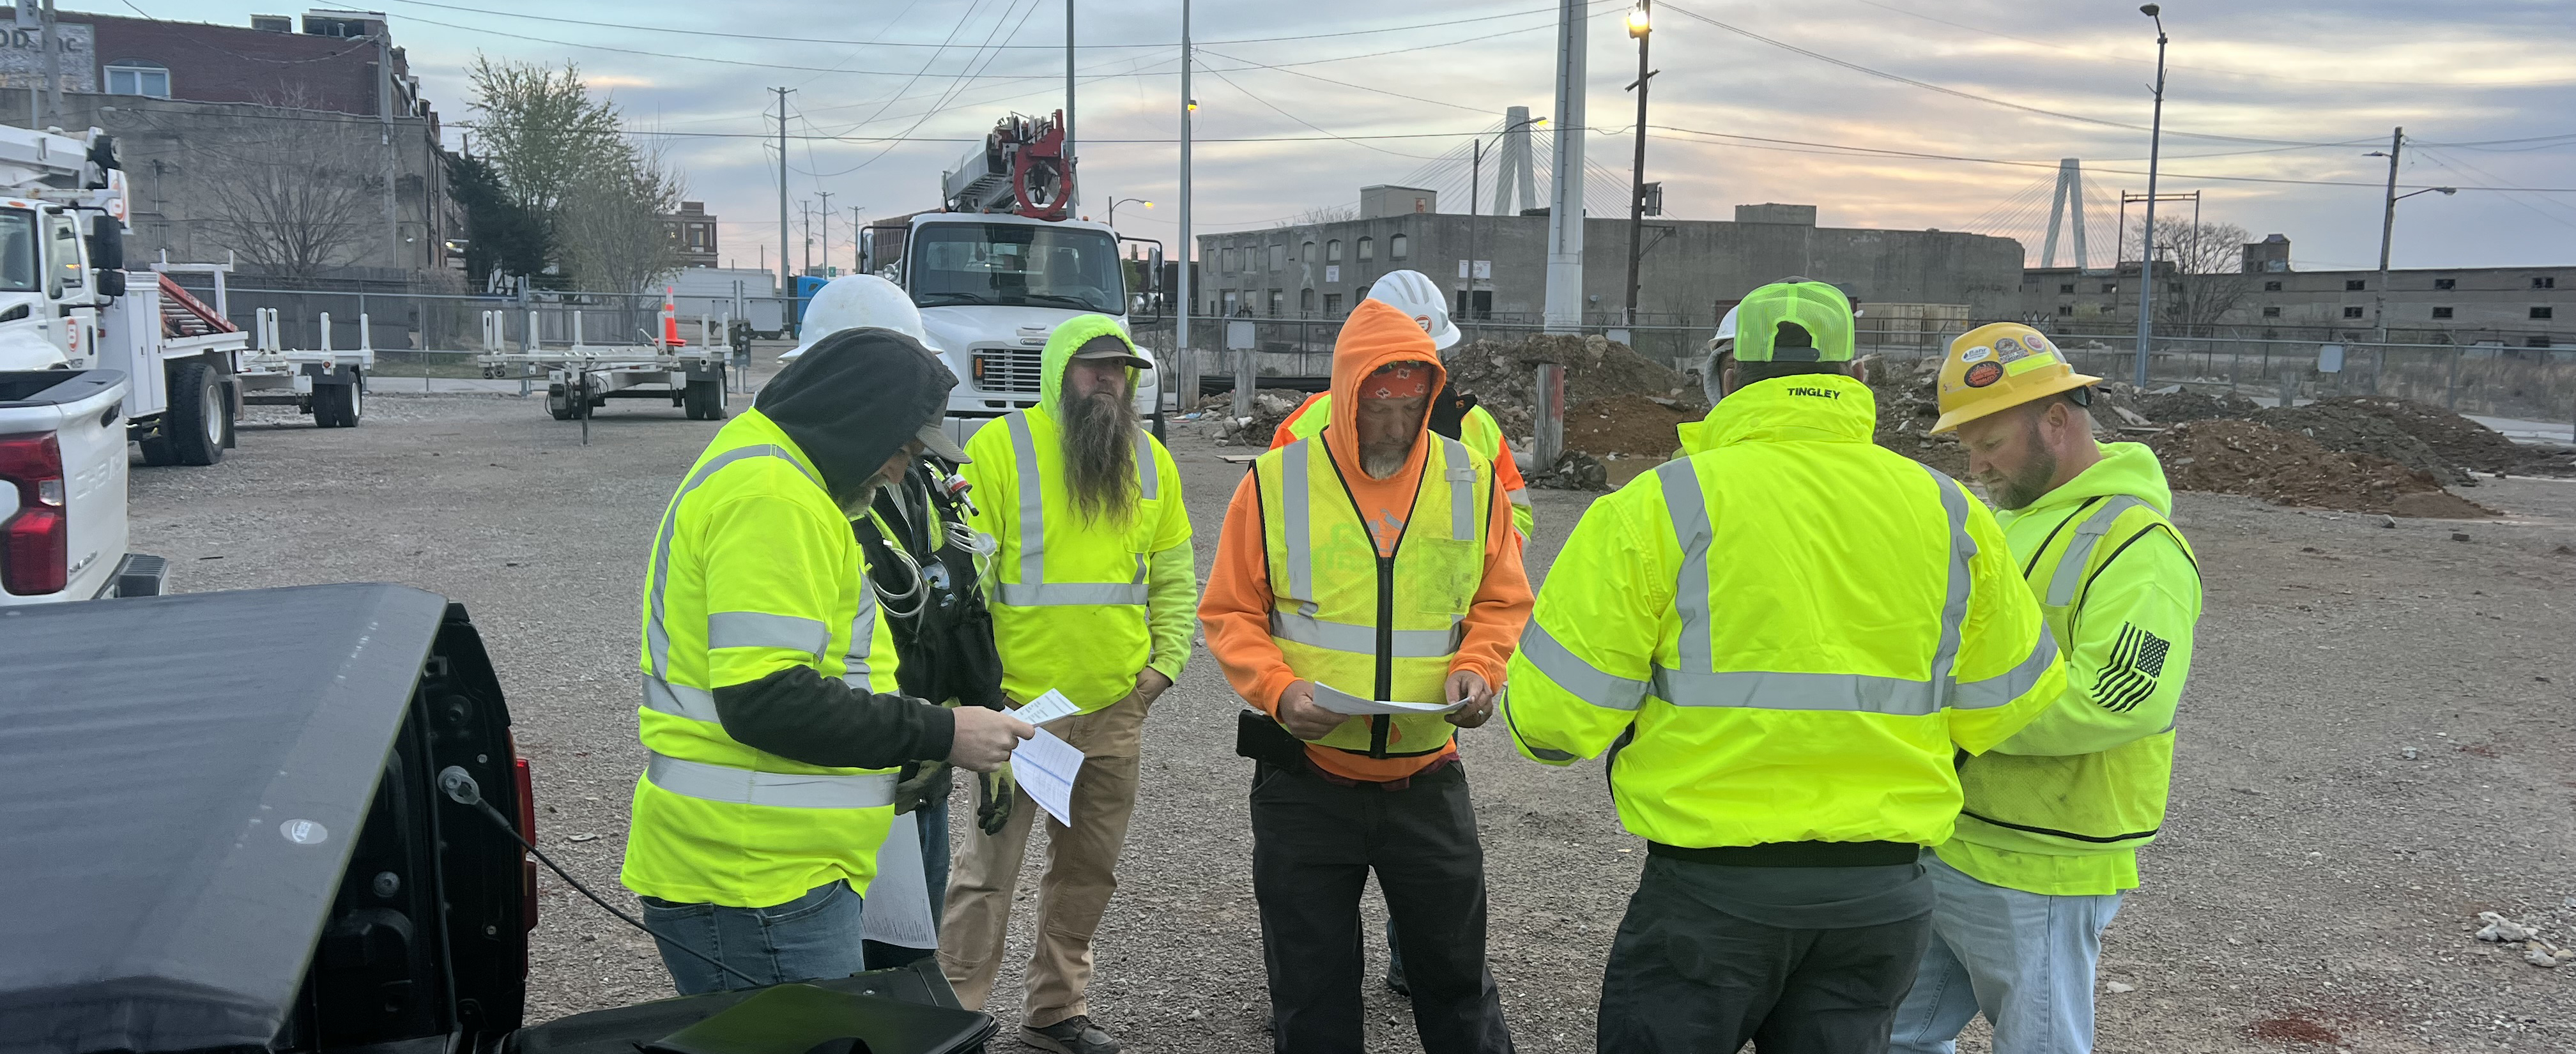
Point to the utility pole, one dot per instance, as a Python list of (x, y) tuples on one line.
[(2147, 265), (827, 227), (1475, 185), (1073, 187), (1640, 26), (54, 68), (2387, 227), (786, 282), (1565, 205), (805, 223), (856, 265)]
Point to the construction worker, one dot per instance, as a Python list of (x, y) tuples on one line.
[(1782, 639), (921, 563), (1452, 414), (1373, 561), (2049, 835), (770, 706), (1091, 595)]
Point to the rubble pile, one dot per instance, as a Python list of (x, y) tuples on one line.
[(1628, 425), (1504, 376), (2287, 468), (2354, 430), (1908, 408), (2538, 950), (2460, 441), (1269, 407)]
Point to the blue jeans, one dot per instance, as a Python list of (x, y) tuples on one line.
[(2024, 959), (934, 865), (812, 937)]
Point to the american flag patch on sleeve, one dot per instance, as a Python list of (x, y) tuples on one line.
[(2129, 675)]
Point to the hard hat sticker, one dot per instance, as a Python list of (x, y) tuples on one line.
[(1980, 353), (2037, 345), (2007, 349), (1423, 321), (1984, 373)]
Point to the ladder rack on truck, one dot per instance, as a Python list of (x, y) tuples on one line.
[(583, 377)]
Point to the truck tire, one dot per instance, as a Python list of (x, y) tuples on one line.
[(199, 423), (706, 400), (336, 405), (559, 403)]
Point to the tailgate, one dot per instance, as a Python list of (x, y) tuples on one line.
[(85, 413)]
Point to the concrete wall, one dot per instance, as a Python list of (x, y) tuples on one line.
[(2484, 303), (173, 150), (1692, 268)]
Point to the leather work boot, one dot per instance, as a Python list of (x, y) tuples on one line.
[(1073, 1035)]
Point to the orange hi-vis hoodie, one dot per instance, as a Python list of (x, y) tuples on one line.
[(1235, 608)]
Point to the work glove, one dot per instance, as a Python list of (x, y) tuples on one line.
[(993, 793), (923, 784)]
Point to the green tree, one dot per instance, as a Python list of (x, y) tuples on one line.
[(500, 234)]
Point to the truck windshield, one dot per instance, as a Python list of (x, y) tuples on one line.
[(1017, 264), (18, 267)]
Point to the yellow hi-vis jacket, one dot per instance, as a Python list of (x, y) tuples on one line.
[(1788, 633), (1477, 429), (754, 570), (1375, 627), (2062, 807), (1078, 605)]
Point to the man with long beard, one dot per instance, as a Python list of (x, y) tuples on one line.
[(1374, 559), (1091, 595)]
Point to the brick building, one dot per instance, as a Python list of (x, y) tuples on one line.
[(693, 234)]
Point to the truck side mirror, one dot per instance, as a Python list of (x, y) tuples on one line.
[(1154, 270), (107, 254)]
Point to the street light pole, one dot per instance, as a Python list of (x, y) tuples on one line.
[(2147, 267), (827, 227), (2387, 227), (1640, 26), (1113, 208)]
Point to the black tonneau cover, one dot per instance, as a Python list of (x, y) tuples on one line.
[(181, 779)]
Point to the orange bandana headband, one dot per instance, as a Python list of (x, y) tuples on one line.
[(1402, 380)]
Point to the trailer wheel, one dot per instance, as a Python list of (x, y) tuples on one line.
[(559, 403), (336, 405), (706, 400), (200, 422)]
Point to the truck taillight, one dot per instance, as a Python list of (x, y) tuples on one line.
[(35, 542), (527, 830)]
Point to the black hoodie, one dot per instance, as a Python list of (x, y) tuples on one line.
[(850, 402)]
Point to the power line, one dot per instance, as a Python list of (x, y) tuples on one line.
[(1274, 108), (698, 32)]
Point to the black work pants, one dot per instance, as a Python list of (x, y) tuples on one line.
[(1685, 976), (1314, 843)]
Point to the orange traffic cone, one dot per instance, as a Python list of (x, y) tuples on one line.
[(671, 322)]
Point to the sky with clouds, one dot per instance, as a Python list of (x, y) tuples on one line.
[(1900, 114)]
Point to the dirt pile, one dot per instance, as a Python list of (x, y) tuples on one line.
[(1504, 376), (1907, 409), (1269, 407), (2287, 468), (2356, 430), (2461, 442), (1627, 425), (2168, 408)]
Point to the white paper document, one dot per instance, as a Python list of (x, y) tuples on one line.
[(1046, 708), (898, 905), (1341, 702), (1045, 767)]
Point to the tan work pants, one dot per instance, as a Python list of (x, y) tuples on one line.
[(1075, 889)]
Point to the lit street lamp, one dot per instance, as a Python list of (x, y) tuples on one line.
[(1115, 202), (1640, 26)]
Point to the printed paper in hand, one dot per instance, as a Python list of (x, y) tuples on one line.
[(1341, 702), (1046, 708), (1045, 767)]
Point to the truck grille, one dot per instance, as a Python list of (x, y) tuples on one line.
[(1010, 370)]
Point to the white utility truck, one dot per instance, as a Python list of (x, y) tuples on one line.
[(1001, 264), (65, 303)]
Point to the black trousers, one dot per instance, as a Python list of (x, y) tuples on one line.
[(1687, 977), (1314, 843)]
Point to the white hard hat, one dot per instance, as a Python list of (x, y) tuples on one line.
[(1413, 293), (855, 300), (1725, 330)]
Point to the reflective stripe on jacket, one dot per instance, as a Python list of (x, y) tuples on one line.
[(1375, 627), (1783, 637), (753, 570), (2062, 807), (1478, 430)]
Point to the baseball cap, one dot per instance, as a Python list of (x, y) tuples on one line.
[(1820, 309), (934, 440), (1113, 347)]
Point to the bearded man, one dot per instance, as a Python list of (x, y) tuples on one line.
[(1091, 593)]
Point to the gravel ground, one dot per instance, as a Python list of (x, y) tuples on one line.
[(2316, 888)]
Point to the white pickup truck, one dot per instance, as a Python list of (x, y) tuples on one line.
[(62, 490)]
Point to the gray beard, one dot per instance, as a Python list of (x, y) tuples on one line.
[(1381, 462), (1100, 456)]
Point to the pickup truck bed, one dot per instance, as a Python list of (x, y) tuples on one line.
[(62, 489)]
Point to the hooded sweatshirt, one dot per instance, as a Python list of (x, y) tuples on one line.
[(1235, 609), (2148, 591), (1082, 651), (847, 405)]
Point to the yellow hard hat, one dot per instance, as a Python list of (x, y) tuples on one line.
[(1999, 365)]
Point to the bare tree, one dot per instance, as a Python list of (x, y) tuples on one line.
[(298, 204), (1322, 214), (2208, 260), (611, 227)]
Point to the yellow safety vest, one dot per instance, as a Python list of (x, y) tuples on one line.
[(1375, 627), (1478, 430), (1068, 596), (1783, 637), (716, 821), (2078, 804)]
